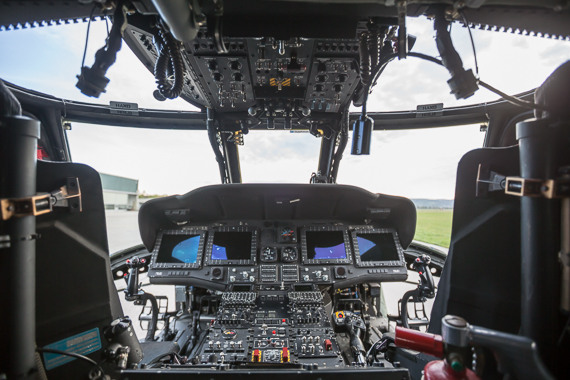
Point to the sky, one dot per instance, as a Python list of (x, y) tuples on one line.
[(415, 164)]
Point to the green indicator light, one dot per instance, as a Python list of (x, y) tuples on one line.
[(457, 366)]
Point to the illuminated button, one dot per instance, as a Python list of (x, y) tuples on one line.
[(328, 345), (256, 357), (283, 320), (274, 332)]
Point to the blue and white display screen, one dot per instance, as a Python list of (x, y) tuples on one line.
[(325, 245), (233, 245), (377, 247), (179, 249)]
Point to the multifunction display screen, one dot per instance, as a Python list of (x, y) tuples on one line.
[(179, 249), (377, 247), (231, 245), (325, 245)]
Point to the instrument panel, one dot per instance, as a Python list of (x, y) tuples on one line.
[(275, 255)]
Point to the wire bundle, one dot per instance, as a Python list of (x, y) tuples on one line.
[(169, 62)]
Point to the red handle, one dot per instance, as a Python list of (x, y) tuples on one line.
[(430, 344)]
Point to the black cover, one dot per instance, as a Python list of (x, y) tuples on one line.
[(279, 202), (555, 93), (9, 104), (75, 289), (481, 277)]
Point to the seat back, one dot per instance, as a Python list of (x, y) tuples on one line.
[(481, 277), (75, 294)]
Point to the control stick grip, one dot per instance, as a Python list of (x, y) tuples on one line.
[(430, 344)]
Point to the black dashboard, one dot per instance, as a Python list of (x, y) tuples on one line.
[(198, 239), (267, 254)]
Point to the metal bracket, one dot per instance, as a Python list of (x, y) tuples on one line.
[(545, 188), (17, 207), (39, 204), (68, 196), (493, 181)]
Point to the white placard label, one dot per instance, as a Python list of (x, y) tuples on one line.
[(429, 110), (124, 108)]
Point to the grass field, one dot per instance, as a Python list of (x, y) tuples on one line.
[(434, 227)]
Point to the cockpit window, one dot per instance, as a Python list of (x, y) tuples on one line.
[(48, 59), (420, 165), (511, 62), (412, 163), (156, 162), (279, 156)]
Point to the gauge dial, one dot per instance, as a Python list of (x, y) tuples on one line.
[(289, 254), (268, 254), (287, 234)]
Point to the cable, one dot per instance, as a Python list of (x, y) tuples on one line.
[(472, 42), (380, 346), (365, 59), (87, 36), (169, 61), (107, 25), (99, 374), (511, 99), (92, 80), (67, 353), (154, 316)]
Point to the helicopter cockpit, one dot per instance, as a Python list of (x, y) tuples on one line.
[(273, 279)]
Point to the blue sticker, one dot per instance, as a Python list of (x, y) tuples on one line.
[(83, 343)]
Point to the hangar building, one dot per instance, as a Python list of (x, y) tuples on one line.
[(120, 192)]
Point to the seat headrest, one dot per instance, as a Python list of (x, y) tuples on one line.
[(555, 93)]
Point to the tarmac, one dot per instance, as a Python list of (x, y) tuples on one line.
[(122, 229)]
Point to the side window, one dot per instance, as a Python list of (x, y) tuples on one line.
[(418, 164), (138, 164)]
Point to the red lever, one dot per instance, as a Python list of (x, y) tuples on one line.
[(430, 344), (285, 355)]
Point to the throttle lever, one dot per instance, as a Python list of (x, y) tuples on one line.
[(355, 326), (427, 285), (133, 290)]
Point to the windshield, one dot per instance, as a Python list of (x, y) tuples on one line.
[(419, 164)]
